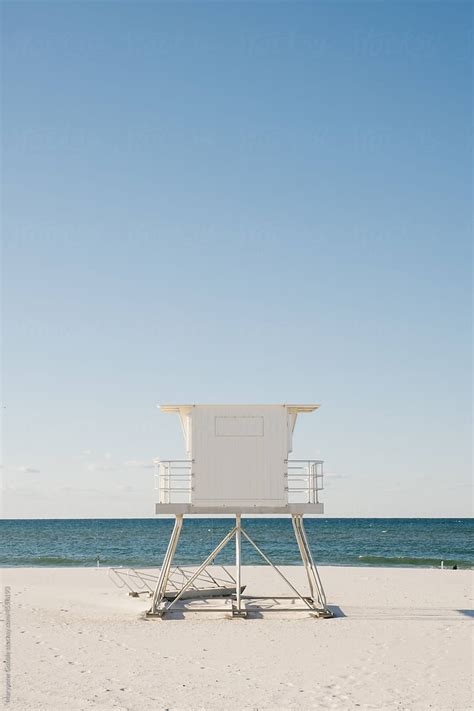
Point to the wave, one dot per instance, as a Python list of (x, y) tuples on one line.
[(412, 562), (359, 561), (47, 561)]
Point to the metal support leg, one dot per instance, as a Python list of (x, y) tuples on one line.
[(160, 589), (303, 554), (312, 573), (237, 609), (319, 585)]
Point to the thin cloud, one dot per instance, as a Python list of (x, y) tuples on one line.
[(138, 464), (100, 467), (106, 465), (23, 470), (82, 490)]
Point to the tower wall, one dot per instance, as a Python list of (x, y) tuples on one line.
[(239, 455)]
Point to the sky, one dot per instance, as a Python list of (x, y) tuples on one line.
[(236, 202)]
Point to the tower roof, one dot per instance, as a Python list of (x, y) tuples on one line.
[(291, 408)]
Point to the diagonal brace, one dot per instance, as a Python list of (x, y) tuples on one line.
[(204, 565)]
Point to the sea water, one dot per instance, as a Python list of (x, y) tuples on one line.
[(142, 542)]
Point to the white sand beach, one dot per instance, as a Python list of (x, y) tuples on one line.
[(402, 640)]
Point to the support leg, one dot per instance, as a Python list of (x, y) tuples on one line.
[(166, 566), (312, 573), (303, 554), (317, 579), (237, 609)]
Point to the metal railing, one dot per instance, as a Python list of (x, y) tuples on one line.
[(305, 480), (174, 480)]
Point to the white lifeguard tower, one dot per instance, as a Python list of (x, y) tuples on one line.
[(237, 463)]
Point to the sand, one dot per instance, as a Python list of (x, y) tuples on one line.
[(402, 640)]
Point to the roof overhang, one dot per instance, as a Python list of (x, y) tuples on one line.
[(293, 409), (302, 408), (174, 408)]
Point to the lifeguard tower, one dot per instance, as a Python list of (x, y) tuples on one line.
[(237, 463)]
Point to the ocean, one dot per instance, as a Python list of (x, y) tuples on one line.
[(142, 542)]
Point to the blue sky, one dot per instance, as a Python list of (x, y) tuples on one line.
[(236, 202)]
